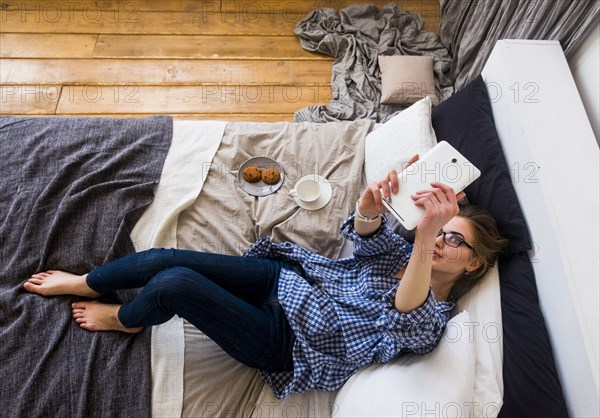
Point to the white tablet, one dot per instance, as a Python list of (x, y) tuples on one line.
[(441, 164)]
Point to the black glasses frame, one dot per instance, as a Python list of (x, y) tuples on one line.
[(460, 239)]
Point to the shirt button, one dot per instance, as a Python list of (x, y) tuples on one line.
[(352, 289)]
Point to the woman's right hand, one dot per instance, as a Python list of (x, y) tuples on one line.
[(440, 204)]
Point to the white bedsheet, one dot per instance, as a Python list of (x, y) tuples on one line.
[(184, 173)]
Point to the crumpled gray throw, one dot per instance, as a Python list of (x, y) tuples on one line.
[(355, 37)]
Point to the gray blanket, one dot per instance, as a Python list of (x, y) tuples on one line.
[(71, 190), (355, 37)]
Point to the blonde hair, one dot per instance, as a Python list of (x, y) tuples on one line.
[(487, 245)]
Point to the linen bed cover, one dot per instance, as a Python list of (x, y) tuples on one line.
[(466, 121)]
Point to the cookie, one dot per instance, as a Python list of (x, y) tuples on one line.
[(271, 176), (252, 174)]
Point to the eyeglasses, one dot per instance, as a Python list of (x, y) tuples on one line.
[(454, 239)]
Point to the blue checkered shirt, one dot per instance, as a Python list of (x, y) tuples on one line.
[(342, 310)]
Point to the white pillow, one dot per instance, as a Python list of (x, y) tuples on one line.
[(484, 308), (439, 383), (392, 144)]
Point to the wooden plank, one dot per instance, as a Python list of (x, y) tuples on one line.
[(46, 45), (429, 10), (28, 99), (130, 11), (173, 72), (93, 7), (160, 17), (147, 23), (306, 6), (205, 98), (51, 9), (229, 117), (203, 47)]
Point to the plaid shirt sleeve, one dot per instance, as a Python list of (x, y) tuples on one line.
[(381, 242), (418, 330)]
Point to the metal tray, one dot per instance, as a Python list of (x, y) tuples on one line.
[(260, 188)]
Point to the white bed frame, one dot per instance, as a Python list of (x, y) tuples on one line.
[(553, 156)]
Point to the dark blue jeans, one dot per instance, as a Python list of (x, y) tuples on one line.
[(233, 300)]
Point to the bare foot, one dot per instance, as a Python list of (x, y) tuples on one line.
[(96, 316), (57, 282)]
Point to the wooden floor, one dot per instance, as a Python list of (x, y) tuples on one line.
[(227, 59)]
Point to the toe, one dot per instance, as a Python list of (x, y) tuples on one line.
[(90, 326), (40, 275), (32, 287)]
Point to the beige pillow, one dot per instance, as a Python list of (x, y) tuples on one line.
[(405, 79)]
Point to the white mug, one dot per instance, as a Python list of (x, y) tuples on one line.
[(307, 189)]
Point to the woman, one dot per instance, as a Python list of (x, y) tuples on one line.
[(304, 320)]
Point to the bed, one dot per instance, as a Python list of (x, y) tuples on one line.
[(160, 183)]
